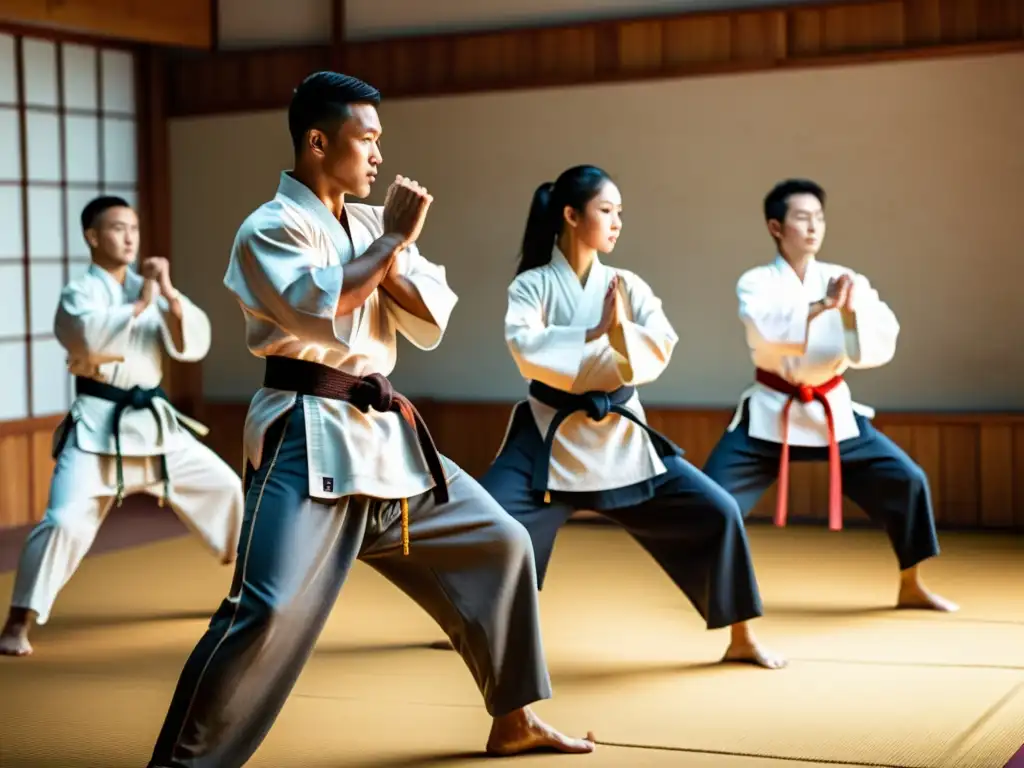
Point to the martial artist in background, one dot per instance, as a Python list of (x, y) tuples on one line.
[(121, 435), (586, 335), (341, 467), (806, 323)]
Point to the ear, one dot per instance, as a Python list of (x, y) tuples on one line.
[(570, 216), (317, 142), (92, 238), (775, 228)]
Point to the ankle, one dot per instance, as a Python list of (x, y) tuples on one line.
[(741, 634), (514, 718), (19, 619)]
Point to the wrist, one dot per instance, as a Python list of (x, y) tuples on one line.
[(396, 241)]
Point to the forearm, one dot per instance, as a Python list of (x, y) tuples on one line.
[(173, 318), (364, 274), (406, 295)]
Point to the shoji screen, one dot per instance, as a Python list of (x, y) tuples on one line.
[(67, 134)]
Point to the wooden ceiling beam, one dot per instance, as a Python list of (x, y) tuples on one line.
[(183, 23)]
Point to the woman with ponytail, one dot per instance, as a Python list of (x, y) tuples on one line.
[(585, 336)]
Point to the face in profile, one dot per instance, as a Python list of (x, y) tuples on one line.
[(600, 223), (115, 235), (803, 230), (350, 156)]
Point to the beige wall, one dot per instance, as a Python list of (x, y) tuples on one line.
[(923, 163)]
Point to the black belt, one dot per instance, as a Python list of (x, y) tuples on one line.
[(596, 405), (135, 398)]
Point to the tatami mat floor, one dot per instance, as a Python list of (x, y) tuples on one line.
[(630, 660)]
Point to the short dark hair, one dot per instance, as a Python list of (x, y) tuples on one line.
[(324, 97), (776, 202), (98, 206)]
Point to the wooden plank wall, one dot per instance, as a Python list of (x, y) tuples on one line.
[(975, 461), (671, 46)]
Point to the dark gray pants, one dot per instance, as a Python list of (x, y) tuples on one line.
[(470, 567), (877, 474), (689, 525)]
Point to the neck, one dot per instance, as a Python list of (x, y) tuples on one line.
[(798, 262), (580, 257), (115, 269), (326, 191)]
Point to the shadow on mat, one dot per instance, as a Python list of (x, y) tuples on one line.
[(338, 649), (406, 762), (98, 620), (606, 673), (815, 611)]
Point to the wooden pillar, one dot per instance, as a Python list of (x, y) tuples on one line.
[(338, 46)]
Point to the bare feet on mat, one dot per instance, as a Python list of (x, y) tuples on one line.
[(917, 596), (754, 653), (522, 731), (14, 638), (745, 648)]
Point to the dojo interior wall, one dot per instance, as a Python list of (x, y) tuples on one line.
[(922, 161)]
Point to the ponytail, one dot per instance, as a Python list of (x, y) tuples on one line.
[(542, 226), (574, 188)]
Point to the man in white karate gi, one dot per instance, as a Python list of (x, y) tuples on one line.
[(121, 435), (806, 323), (341, 467)]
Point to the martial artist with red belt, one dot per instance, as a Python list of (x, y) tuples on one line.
[(806, 323)]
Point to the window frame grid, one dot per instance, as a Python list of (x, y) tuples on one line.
[(62, 112)]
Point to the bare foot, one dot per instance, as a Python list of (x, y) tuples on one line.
[(14, 638), (522, 731), (916, 596), (752, 652)]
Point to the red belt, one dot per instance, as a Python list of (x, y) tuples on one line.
[(806, 395)]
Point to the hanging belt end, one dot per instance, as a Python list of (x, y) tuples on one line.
[(405, 526)]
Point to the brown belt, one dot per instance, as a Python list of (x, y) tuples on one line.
[(364, 392)]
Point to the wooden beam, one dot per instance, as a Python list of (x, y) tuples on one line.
[(184, 23), (338, 35), (682, 45)]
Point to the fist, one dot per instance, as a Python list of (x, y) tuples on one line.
[(156, 268), (405, 209)]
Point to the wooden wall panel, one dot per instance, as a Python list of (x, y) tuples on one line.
[(975, 461), (25, 469), (186, 23), (671, 46)]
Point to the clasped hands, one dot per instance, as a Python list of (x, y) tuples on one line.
[(156, 272), (611, 314), (405, 210), (839, 294)]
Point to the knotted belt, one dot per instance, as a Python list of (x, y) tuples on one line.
[(364, 392), (596, 405), (137, 399), (806, 394)]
